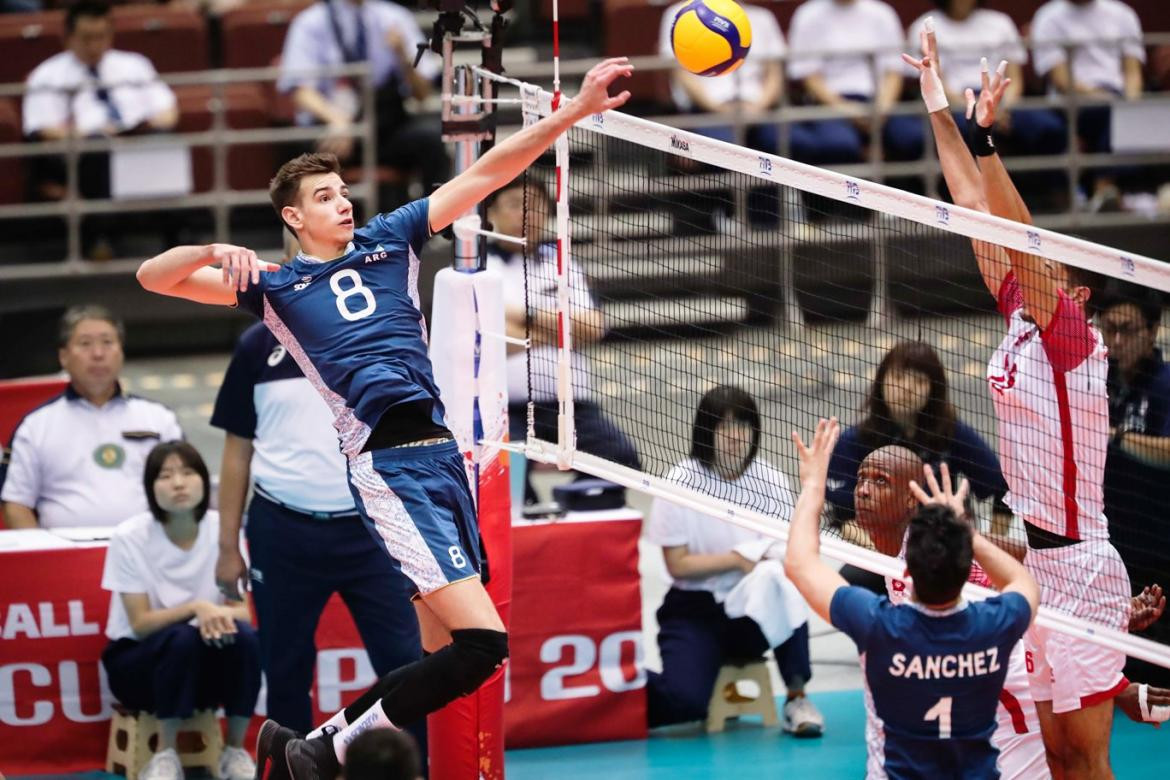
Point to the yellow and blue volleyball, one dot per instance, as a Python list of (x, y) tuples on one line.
[(711, 37)]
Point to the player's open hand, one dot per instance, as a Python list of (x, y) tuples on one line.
[(1146, 608), (990, 94), (814, 459), (1144, 703), (240, 266), (944, 494), (929, 69), (594, 95)]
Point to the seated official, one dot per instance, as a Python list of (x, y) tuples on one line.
[(597, 434), (707, 560), (175, 645), (77, 459)]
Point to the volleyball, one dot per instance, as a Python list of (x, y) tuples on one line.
[(711, 37)]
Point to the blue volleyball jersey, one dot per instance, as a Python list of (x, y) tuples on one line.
[(934, 678), (353, 324)]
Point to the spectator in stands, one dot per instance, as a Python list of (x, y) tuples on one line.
[(77, 459), (382, 754), (1106, 62), (710, 562), (305, 537), (337, 32), (91, 90), (909, 405), (845, 54), (967, 31), (597, 434), (176, 646), (1137, 467), (755, 86)]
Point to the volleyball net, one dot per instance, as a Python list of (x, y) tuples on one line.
[(708, 264)]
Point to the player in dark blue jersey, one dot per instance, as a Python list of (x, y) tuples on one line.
[(933, 667), (346, 309)]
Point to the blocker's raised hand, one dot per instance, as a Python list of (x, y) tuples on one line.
[(594, 95), (944, 494), (990, 94)]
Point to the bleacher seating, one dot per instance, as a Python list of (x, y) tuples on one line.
[(249, 167), (27, 40), (173, 38), (253, 34), (11, 171)]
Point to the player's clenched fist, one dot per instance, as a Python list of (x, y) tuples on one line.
[(239, 265)]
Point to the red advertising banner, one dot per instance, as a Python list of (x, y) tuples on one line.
[(576, 671)]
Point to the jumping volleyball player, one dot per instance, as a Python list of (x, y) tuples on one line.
[(933, 667), (346, 308), (1047, 380)]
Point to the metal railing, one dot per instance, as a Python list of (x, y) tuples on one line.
[(219, 200)]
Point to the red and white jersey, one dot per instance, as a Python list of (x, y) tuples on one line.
[(1049, 393), (1017, 731)]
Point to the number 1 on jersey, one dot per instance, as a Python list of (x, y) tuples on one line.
[(941, 711), (343, 295)]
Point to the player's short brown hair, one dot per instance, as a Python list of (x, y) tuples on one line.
[(286, 184)]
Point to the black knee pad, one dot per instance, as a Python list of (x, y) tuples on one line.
[(480, 651)]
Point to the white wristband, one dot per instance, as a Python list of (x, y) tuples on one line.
[(933, 92)]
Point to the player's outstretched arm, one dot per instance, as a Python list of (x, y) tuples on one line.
[(816, 580), (1006, 573), (183, 272), (958, 167), (505, 162), (1038, 285)]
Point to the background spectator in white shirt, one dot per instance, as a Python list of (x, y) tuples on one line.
[(1106, 61), (845, 53), (176, 646), (92, 90), (337, 32), (77, 459), (707, 559), (967, 31), (597, 434), (755, 86)]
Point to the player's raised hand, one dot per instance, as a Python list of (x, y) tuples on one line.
[(240, 266), (1146, 608), (814, 459), (943, 494), (991, 93), (594, 95), (929, 70)]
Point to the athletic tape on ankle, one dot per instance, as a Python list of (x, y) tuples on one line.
[(1159, 713)]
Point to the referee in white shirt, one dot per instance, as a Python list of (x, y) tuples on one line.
[(77, 459), (306, 540)]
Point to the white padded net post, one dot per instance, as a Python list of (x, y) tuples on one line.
[(714, 264)]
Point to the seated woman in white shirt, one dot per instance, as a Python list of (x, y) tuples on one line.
[(696, 636), (175, 645)]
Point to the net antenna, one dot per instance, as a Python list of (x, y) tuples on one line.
[(799, 372)]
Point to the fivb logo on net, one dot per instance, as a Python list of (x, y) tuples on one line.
[(1034, 241), (679, 144), (852, 190), (942, 215), (765, 165), (1128, 266)]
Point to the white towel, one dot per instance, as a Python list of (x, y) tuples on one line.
[(767, 597)]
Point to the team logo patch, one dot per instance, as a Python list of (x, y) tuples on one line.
[(109, 456)]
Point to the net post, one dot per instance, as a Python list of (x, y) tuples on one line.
[(566, 429)]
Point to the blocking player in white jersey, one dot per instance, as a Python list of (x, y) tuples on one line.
[(1047, 380), (935, 665), (884, 505)]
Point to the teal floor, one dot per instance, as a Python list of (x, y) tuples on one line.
[(746, 751)]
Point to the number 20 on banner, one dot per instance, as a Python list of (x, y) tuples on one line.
[(577, 654)]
